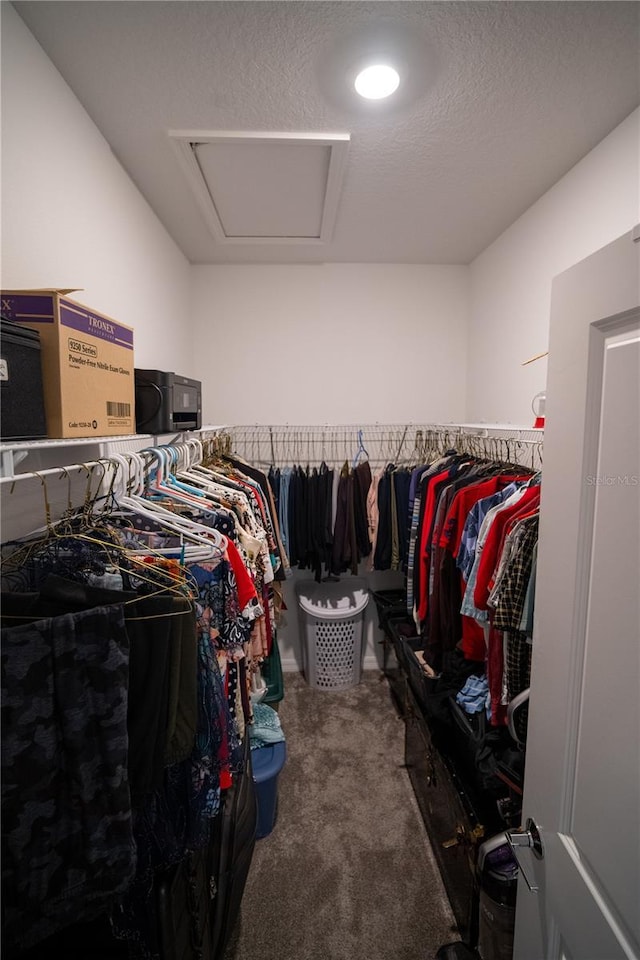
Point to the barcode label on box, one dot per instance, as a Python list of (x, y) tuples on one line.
[(115, 409)]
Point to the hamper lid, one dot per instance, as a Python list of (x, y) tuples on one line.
[(333, 601)]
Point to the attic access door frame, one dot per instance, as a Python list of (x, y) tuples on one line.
[(186, 143)]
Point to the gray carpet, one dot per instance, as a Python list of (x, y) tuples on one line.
[(348, 872)]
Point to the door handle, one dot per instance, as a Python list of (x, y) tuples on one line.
[(529, 837)]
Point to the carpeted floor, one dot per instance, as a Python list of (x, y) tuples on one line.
[(348, 872)]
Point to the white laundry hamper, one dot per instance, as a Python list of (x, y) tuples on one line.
[(331, 616)]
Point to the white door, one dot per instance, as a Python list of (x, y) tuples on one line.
[(582, 778)]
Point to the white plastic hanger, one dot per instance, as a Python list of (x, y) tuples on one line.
[(202, 542)]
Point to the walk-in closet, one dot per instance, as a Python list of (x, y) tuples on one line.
[(320, 480)]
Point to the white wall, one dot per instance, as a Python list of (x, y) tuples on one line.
[(595, 202), (71, 217), (331, 343)]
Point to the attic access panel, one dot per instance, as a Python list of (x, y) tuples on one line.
[(260, 187)]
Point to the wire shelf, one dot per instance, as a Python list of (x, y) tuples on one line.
[(286, 444)]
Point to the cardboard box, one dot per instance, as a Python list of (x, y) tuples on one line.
[(87, 364)]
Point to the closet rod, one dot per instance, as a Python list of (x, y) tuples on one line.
[(58, 472), (61, 471)]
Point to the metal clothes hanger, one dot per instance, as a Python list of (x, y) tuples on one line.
[(97, 535), (71, 514)]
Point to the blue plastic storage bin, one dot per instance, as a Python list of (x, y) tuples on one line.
[(267, 762)]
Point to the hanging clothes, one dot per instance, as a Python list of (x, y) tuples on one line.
[(472, 535), (362, 477), (142, 690), (383, 551), (68, 847), (323, 516), (345, 546)]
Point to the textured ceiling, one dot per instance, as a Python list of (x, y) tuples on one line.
[(502, 99)]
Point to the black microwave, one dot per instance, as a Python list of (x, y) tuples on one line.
[(167, 402)]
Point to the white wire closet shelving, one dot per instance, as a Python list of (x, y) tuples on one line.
[(20, 458), (381, 443), (44, 479)]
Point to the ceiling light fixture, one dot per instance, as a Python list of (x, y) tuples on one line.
[(377, 82)]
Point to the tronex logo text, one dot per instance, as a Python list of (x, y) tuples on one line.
[(100, 324)]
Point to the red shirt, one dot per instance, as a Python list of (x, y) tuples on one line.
[(244, 583), (462, 504), (495, 541), (459, 509), (473, 640)]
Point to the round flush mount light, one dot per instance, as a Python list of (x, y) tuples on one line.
[(377, 82), (398, 48)]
